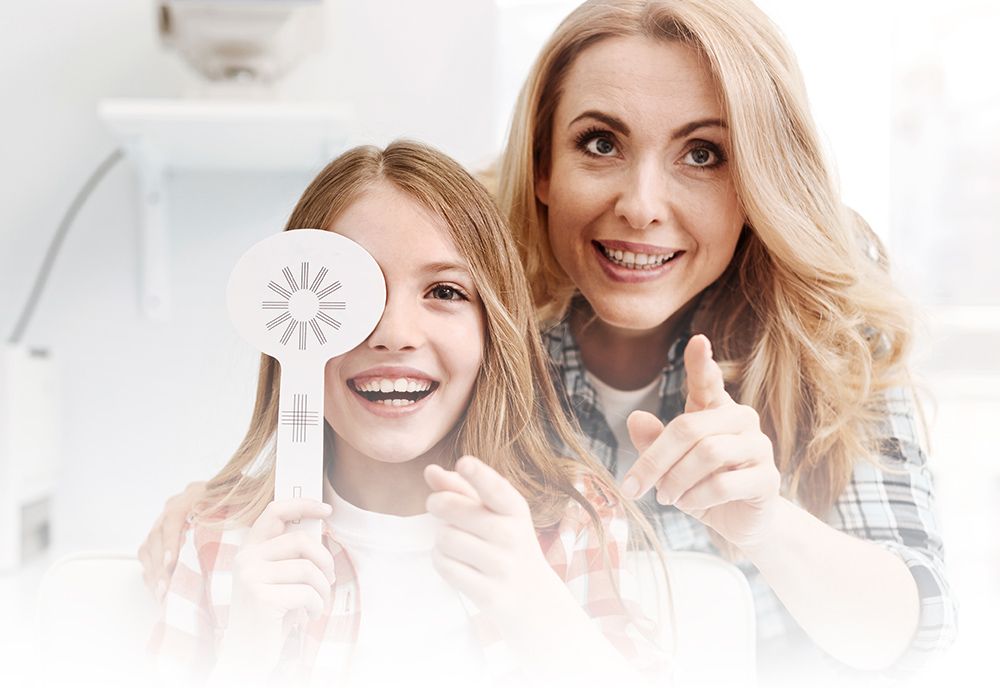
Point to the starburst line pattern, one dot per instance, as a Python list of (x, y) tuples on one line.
[(300, 418), (280, 319), (329, 290), (335, 324), (318, 280), (316, 322), (288, 333), (280, 290), (320, 337), (291, 280)]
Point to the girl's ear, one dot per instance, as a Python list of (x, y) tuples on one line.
[(542, 189)]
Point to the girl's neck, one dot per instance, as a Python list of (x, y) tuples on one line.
[(398, 489), (623, 358)]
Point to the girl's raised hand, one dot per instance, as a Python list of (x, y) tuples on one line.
[(712, 461), (278, 575), (487, 547)]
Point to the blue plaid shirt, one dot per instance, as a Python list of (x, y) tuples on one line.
[(894, 508)]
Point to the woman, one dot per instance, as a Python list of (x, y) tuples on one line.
[(663, 177)]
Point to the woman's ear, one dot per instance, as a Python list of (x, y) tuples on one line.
[(542, 189)]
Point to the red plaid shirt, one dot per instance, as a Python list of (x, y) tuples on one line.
[(196, 606)]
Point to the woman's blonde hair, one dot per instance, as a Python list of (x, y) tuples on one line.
[(809, 328), (514, 421)]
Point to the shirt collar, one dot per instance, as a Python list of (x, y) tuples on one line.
[(564, 352)]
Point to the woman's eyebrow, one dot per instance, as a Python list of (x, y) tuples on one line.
[(616, 124), (610, 121), (681, 132)]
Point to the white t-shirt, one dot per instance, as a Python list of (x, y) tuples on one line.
[(617, 404), (415, 629)]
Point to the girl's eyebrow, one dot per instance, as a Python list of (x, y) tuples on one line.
[(434, 268), (619, 126)]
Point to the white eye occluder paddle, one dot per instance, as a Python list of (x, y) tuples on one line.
[(302, 297)]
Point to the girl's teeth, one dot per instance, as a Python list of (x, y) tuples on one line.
[(395, 402), (400, 385), (394, 388)]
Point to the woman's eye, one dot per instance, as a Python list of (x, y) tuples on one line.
[(704, 156), (445, 292), (597, 143), (600, 146)]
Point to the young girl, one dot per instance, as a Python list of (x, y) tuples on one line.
[(504, 564)]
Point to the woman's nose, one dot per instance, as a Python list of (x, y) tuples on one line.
[(399, 329), (642, 202)]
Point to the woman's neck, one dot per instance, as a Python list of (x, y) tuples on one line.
[(398, 489), (620, 357)]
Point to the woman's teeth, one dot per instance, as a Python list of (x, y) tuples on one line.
[(635, 261), (393, 391)]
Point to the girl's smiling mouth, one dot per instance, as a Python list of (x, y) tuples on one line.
[(392, 387)]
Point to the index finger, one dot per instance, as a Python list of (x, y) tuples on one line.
[(278, 514), (678, 438), (440, 479), (705, 386), (495, 491)]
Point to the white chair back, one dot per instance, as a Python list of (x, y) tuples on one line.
[(713, 613), (95, 617)]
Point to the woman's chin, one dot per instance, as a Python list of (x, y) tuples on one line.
[(631, 313)]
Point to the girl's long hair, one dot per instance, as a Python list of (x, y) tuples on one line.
[(514, 422), (808, 326)]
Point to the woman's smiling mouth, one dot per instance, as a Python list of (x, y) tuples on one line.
[(630, 262), (636, 259)]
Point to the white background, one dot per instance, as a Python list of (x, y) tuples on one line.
[(903, 92)]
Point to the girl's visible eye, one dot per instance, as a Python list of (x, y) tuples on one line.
[(704, 155), (597, 143), (447, 292)]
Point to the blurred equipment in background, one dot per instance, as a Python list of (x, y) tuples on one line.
[(28, 413), (236, 118), (243, 41), (28, 452)]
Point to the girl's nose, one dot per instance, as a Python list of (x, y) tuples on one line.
[(642, 202), (398, 330)]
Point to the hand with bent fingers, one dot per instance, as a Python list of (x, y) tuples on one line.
[(489, 551), (712, 462), (487, 547), (158, 554), (276, 573)]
